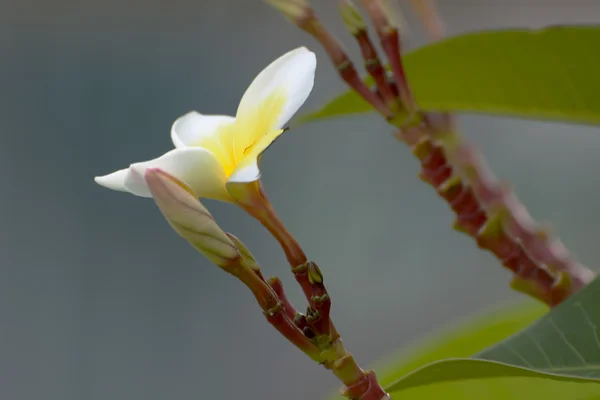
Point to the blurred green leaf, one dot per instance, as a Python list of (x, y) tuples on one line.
[(562, 347), (461, 340), (502, 388), (565, 341), (547, 74)]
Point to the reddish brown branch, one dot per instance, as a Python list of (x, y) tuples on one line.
[(308, 22), (390, 42), (277, 287), (272, 301), (473, 220), (375, 69), (320, 303), (513, 219), (279, 320), (516, 221), (367, 388), (485, 210)]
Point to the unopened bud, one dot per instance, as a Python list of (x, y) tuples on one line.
[(244, 252), (428, 12), (296, 10), (188, 217), (352, 18), (314, 273), (394, 16)]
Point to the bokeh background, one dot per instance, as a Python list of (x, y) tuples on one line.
[(99, 299)]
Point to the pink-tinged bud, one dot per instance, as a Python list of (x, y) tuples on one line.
[(296, 10), (188, 217)]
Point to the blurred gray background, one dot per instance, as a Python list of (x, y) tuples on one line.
[(99, 299)]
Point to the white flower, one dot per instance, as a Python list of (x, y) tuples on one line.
[(217, 156)]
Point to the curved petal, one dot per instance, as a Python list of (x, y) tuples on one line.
[(114, 181), (248, 168), (193, 129), (195, 166), (274, 97), (213, 132)]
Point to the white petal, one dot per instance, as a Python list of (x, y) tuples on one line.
[(291, 74), (114, 181), (193, 128), (195, 166), (248, 173)]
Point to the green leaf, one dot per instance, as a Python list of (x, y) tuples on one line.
[(501, 388), (543, 74), (562, 347), (461, 340)]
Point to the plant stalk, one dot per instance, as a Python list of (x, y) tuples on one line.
[(316, 326)]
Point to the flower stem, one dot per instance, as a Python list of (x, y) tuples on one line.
[(390, 42), (279, 319), (316, 325), (375, 68), (264, 212), (277, 287), (273, 305)]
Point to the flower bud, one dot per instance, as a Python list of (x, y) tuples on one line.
[(244, 253), (188, 217), (394, 16), (296, 10), (427, 11), (352, 18)]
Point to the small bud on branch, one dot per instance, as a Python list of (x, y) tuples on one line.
[(295, 10), (352, 18), (389, 36), (394, 17), (373, 65)]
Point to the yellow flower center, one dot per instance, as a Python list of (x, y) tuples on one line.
[(234, 142)]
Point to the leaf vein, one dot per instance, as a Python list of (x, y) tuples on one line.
[(516, 353), (567, 342), (589, 321), (541, 349)]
